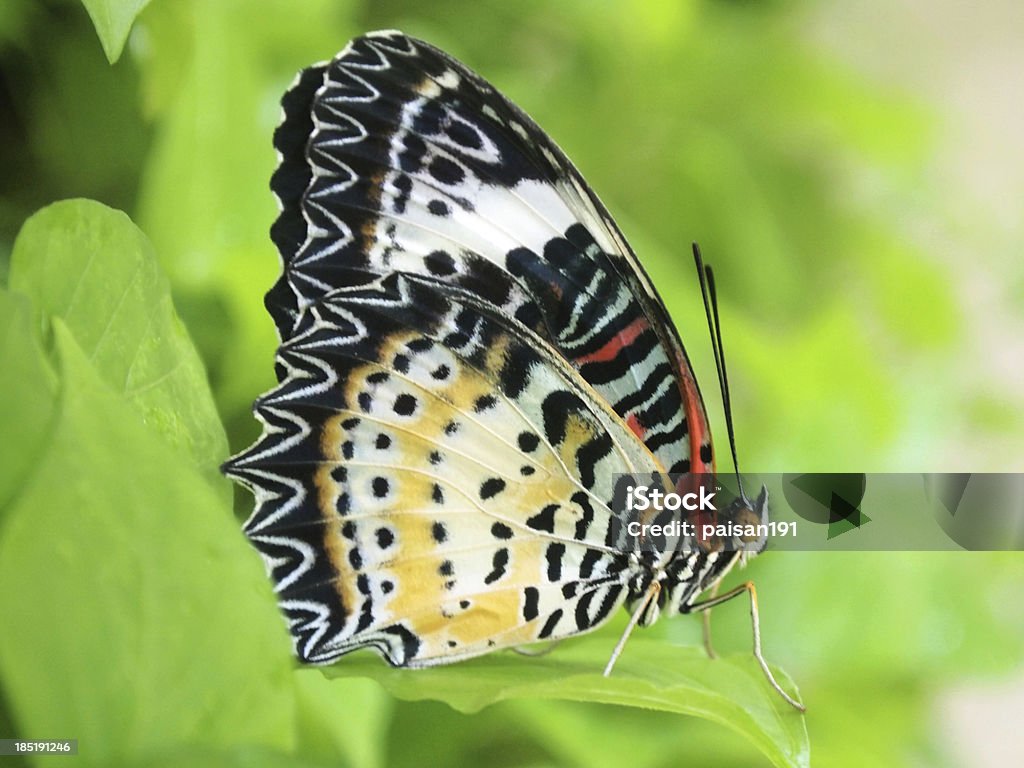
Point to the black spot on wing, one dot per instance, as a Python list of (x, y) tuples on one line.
[(439, 532), (410, 159), (440, 263), (554, 554), (587, 563), (491, 488), (608, 603), (528, 442), (550, 624), (586, 507), (410, 644), (420, 344), (365, 616), (544, 520), (531, 597), (582, 613), (446, 171), (405, 404), (589, 454), (556, 409), (484, 403), (498, 566), (464, 135), (363, 584), (586, 616), (515, 374)]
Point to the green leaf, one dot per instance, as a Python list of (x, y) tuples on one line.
[(731, 691), (113, 20), (628, 736), (239, 757), (135, 618), (204, 199), (28, 394), (349, 718), (15, 17), (89, 265)]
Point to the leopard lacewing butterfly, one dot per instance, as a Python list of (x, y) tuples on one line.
[(470, 354)]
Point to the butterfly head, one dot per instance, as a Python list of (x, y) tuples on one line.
[(744, 512)]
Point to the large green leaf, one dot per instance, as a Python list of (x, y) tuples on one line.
[(134, 618), (731, 691), (89, 265), (341, 718), (28, 393), (113, 20)]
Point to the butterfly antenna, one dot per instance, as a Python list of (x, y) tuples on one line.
[(710, 295)]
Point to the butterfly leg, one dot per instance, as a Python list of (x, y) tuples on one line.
[(652, 594), (706, 626), (755, 621)]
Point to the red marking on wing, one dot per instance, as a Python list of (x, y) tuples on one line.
[(614, 345), (634, 424), (695, 418)]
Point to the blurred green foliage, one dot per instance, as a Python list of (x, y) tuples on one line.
[(694, 120)]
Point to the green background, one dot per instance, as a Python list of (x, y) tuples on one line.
[(871, 292)]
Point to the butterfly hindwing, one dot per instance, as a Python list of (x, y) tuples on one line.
[(443, 481), (396, 157)]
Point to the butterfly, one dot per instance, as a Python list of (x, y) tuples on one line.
[(470, 355)]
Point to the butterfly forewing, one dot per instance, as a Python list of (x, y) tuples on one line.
[(396, 157)]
